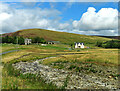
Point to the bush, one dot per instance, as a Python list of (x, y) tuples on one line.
[(72, 67), (99, 44), (14, 40), (38, 40), (109, 44), (20, 40)]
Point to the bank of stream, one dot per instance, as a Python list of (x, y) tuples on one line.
[(68, 78)]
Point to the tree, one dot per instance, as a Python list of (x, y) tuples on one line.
[(10, 40), (109, 44), (99, 44), (3, 39), (20, 40), (42, 40), (15, 40), (38, 40), (6, 39)]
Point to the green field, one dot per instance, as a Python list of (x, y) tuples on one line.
[(88, 60), (30, 53)]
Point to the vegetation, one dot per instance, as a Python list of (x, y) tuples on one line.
[(109, 44), (79, 60), (20, 40), (38, 40), (99, 56), (12, 79), (63, 37), (14, 40)]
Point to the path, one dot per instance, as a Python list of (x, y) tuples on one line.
[(8, 52)]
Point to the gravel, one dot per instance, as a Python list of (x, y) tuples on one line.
[(75, 80)]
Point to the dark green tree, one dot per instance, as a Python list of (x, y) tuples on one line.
[(42, 40), (6, 39), (15, 40), (99, 44), (38, 40), (20, 40)]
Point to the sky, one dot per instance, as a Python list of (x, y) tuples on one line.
[(87, 18)]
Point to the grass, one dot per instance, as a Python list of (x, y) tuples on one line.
[(32, 50), (63, 37), (9, 47), (65, 82), (93, 55), (11, 78)]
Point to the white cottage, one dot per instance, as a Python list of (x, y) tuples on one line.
[(28, 41), (79, 45)]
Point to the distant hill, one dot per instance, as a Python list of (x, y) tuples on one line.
[(112, 37), (63, 37)]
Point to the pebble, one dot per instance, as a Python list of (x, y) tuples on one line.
[(59, 76)]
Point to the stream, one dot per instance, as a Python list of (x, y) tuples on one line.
[(59, 76)]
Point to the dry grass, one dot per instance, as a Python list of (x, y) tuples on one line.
[(97, 55), (24, 50), (11, 56), (37, 52), (10, 81)]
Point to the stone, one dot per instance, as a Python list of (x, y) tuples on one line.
[(78, 80)]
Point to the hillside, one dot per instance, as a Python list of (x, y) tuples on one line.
[(112, 37), (63, 37)]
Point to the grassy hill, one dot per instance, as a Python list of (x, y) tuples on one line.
[(63, 37)]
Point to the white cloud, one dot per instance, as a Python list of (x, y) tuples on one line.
[(102, 22), (104, 19), (43, 23), (16, 19), (64, 26), (4, 16)]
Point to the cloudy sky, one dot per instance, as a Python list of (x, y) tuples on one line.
[(100, 18)]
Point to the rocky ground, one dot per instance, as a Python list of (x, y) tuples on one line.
[(73, 77)]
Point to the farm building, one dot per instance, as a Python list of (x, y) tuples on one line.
[(53, 42), (28, 41), (79, 45)]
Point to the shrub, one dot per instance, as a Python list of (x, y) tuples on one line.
[(38, 40), (72, 67), (109, 44), (89, 60), (99, 44)]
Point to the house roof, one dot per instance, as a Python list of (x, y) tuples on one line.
[(78, 43)]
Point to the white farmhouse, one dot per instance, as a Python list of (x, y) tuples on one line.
[(79, 45), (28, 41)]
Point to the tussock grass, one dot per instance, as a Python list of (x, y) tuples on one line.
[(12, 79), (11, 56), (93, 55)]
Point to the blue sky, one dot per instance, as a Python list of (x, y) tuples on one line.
[(72, 11), (68, 16)]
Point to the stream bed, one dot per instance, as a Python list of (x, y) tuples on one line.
[(58, 77)]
